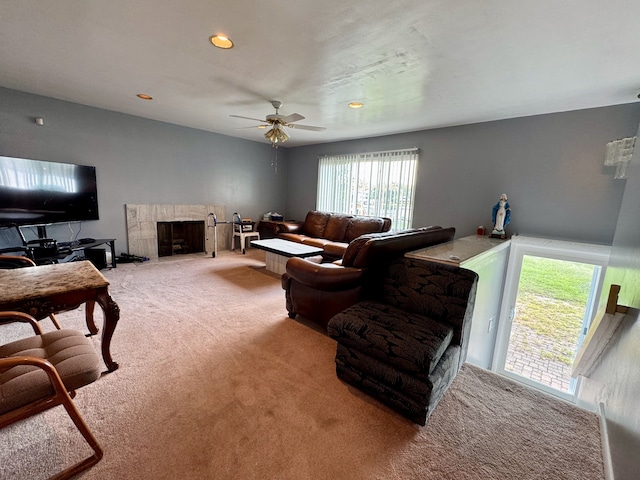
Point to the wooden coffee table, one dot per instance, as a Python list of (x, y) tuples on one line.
[(279, 251)]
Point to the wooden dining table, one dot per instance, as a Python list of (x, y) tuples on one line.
[(49, 289)]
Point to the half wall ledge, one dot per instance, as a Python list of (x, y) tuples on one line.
[(142, 228)]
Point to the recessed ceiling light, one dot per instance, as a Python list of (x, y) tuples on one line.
[(144, 96), (221, 41), (356, 104)]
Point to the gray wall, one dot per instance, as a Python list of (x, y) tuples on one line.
[(141, 161), (615, 380), (551, 167)]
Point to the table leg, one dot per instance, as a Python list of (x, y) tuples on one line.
[(88, 315), (112, 245), (276, 263), (111, 316)]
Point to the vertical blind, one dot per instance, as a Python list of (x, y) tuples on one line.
[(376, 183)]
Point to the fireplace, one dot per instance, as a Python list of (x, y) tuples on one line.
[(175, 238), (143, 229)]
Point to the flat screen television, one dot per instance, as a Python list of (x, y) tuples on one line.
[(34, 192)]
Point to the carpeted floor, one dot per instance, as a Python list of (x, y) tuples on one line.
[(216, 382)]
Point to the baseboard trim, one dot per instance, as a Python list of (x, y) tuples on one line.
[(604, 436)]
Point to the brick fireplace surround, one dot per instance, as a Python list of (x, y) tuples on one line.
[(142, 229)]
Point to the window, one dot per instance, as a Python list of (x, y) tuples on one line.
[(378, 183)]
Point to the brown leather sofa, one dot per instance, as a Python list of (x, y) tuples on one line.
[(332, 231), (318, 291)]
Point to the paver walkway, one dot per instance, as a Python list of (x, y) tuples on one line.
[(526, 357)]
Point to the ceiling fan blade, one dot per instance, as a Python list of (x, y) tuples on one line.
[(249, 118), (294, 117), (262, 125), (307, 127)]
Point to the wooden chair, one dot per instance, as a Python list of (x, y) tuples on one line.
[(43, 371), (16, 261)]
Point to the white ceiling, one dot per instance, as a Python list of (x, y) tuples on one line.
[(415, 64)]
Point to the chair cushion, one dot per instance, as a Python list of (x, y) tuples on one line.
[(408, 341), (71, 353)]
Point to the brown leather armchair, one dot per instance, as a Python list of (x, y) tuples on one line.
[(318, 291)]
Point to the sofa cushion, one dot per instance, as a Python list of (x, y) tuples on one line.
[(293, 237), (336, 228), (335, 249), (361, 225), (315, 223), (408, 341), (315, 242)]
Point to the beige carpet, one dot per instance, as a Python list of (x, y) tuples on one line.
[(215, 381)]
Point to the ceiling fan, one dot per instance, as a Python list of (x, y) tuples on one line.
[(277, 122)]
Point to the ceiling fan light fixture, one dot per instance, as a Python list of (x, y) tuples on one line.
[(356, 105), (276, 135), (278, 123), (221, 41)]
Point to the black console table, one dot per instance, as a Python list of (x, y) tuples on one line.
[(102, 241), (83, 247)]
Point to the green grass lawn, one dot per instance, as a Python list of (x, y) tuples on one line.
[(552, 295)]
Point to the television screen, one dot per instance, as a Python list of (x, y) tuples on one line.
[(33, 192)]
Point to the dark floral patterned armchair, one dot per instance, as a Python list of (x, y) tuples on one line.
[(406, 343)]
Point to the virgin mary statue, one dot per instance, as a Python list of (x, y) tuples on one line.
[(501, 215)]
